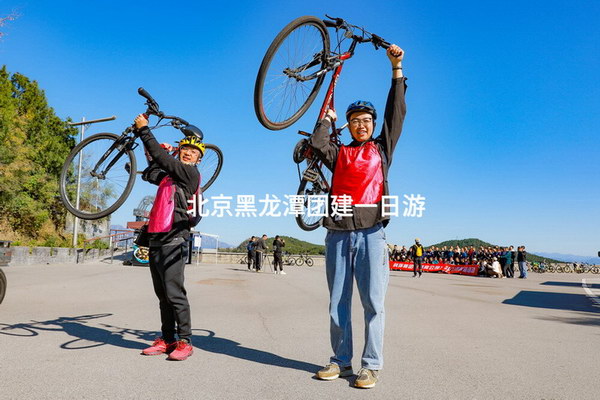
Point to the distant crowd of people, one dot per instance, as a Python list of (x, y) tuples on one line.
[(257, 249), (485, 257)]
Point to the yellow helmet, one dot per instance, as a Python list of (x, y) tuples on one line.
[(194, 142)]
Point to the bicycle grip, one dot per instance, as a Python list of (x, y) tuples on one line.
[(142, 92)]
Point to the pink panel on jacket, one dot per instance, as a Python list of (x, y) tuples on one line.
[(161, 215)]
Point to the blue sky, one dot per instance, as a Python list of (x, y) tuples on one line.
[(501, 134)]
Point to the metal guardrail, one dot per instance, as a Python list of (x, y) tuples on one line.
[(120, 235)]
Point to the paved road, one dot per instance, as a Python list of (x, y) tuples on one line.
[(75, 332)]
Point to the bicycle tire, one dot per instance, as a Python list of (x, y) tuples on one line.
[(122, 178), (299, 261), (292, 35), (567, 269), (3, 285), (309, 188), (309, 262), (210, 165)]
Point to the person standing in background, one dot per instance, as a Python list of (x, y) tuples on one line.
[(260, 248), (251, 253), (278, 243)]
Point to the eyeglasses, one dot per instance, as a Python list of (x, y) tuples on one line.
[(363, 121)]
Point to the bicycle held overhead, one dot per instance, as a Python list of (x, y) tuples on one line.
[(99, 173), (289, 78)]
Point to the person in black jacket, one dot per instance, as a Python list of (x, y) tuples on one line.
[(355, 244), (251, 253), (278, 244), (259, 249), (522, 261), (169, 230)]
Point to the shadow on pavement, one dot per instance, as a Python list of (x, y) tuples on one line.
[(214, 344), (555, 301), (86, 336), (593, 320)]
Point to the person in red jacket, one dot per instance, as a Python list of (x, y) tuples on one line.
[(355, 244)]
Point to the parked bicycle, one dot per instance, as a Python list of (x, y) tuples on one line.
[(540, 267), (102, 168), (289, 78), (287, 259), (2, 285), (585, 268), (304, 259)]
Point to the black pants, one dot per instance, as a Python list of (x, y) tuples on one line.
[(167, 264), (258, 260), (251, 260), (417, 267), (278, 260)]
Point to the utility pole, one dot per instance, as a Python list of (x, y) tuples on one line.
[(83, 125)]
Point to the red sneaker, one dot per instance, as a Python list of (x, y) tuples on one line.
[(182, 351), (159, 347)]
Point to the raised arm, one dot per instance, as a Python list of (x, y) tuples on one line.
[(395, 108), (320, 141), (161, 157)]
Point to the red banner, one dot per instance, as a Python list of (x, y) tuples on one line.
[(446, 268)]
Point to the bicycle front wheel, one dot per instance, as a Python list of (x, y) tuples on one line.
[(97, 177), (291, 73), (309, 262), (210, 165)]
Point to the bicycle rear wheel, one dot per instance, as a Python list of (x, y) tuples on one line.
[(210, 165), (299, 261), (101, 173), (287, 81)]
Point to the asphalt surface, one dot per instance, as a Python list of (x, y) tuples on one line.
[(76, 331)]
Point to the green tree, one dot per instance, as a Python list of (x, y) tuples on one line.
[(34, 143)]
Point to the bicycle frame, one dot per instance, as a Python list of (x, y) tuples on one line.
[(314, 168), (124, 143)]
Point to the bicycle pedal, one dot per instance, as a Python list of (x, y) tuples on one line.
[(310, 175)]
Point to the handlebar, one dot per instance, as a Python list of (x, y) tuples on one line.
[(153, 109), (364, 37)]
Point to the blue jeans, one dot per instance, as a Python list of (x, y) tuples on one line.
[(362, 255), (523, 269)]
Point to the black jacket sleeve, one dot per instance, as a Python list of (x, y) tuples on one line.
[(153, 174), (186, 175), (322, 145), (395, 111)]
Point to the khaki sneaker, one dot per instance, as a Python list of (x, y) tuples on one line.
[(332, 371), (367, 378)]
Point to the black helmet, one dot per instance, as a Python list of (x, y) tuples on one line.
[(361, 105), (191, 130)]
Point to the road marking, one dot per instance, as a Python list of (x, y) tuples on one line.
[(588, 291)]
